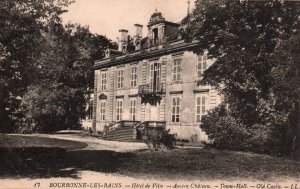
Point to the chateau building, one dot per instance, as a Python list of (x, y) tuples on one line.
[(160, 80)]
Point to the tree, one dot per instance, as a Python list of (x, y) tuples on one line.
[(56, 100), (21, 26), (45, 67), (246, 38)]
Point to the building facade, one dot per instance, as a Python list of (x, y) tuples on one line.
[(159, 81), (87, 120)]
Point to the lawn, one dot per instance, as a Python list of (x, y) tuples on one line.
[(17, 141), (210, 164), (35, 157)]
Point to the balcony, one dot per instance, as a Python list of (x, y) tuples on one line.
[(151, 89)]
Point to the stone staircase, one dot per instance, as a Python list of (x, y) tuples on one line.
[(133, 131), (123, 131), (124, 134)]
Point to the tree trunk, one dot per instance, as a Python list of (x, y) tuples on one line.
[(3, 115), (297, 60)]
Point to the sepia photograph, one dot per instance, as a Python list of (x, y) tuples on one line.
[(155, 94)]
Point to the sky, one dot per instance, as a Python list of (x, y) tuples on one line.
[(106, 17)]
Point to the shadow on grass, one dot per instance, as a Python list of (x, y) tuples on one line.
[(187, 164), (44, 162)]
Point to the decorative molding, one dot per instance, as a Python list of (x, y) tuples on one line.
[(102, 96), (120, 96), (176, 82), (135, 63), (177, 54), (153, 59), (176, 92), (200, 91), (133, 95)]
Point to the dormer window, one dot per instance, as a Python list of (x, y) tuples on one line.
[(160, 30), (124, 48), (155, 36), (138, 45)]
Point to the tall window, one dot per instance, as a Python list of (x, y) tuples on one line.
[(155, 75), (120, 78), (103, 81), (155, 36), (133, 76), (177, 69), (202, 65), (176, 106), (133, 109), (90, 110), (102, 110), (119, 109), (201, 106)]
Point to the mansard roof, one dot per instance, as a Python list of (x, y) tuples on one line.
[(174, 47), (172, 42)]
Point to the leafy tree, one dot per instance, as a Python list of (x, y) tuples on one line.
[(45, 68), (56, 101), (253, 69), (21, 26)]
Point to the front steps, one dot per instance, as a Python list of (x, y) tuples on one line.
[(132, 131), (122, 134)]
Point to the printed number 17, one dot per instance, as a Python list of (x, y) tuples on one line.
[(37, 184)]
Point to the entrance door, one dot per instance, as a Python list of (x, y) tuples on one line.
[(152, 105), (152, 112)]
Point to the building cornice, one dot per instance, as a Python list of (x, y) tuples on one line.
[(144, 54)]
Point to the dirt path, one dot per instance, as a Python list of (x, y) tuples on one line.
[(107, 162), (98, 144)]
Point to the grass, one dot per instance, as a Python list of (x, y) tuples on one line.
[(209, 164), (34, 157), (16, 141)]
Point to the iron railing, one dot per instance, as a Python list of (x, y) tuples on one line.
[(118, 124), (151, 89)]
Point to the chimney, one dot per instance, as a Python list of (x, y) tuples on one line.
[(188, 7), (123, 40), (138, 30), (138, 36)]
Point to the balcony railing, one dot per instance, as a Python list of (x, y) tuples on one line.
[(151, 88), (119, 124)]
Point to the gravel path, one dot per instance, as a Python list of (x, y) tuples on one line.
[(99, 144)]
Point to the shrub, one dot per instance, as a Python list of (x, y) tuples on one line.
[(269, 139), (158, 139), (224, 130), (168, 139), (227, 132)]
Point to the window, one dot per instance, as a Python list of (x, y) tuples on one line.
[(102, 110), (155, 36), (133, 109), (119, 109), (177, 70), (133, 76), (120, 78), (103, 81), (202, 65), (201, 107), (155, 76), (176, 106), (90, 110)]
